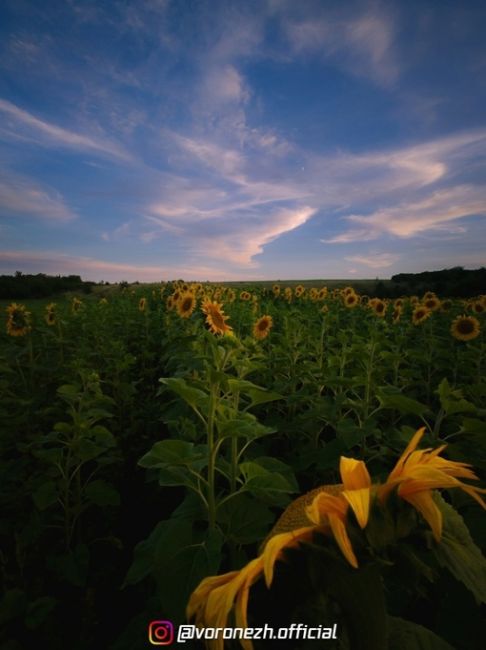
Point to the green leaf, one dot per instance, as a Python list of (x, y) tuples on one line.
[(244, 426), (192, 396), (38, 611), (451, 400), (458, 552), (102, 493), (257, 394), (390, 398), (166, 453), (244, 520), (45, 495), (405, 635)]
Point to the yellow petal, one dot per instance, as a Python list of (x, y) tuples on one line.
[(339, 531), (412, 445), (325, 504), (199, 596), (425, 504), (359, 500), (354, 474), (275, 545)]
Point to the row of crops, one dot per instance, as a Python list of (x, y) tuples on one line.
[(151, 438)]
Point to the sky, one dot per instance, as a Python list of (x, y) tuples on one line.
[(242, 140)]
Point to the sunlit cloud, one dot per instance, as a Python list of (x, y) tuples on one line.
[(377, 261)]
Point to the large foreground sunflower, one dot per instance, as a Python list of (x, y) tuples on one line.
[(465, 328), (215, 317), (330, 511), (18, 321)]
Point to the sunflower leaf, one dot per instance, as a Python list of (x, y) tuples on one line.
[(458, 552), (405, 635)]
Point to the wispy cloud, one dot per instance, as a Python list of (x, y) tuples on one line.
[(54, 262), (358, 40), (58, 136), (437, 212), (374, 261), (23, 196)]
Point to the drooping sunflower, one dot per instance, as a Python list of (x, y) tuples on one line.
[(186, 304), (142, 304), (331, 511), (397, 312), (262, 327), (420, 314), (465, 328), (215, 317), (50, 315), (351, 300), (18, 321)]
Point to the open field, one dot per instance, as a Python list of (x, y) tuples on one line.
[(151, 437)]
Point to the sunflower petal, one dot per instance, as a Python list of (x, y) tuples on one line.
[(354, 474), (278, 542), (340, 534), (424, 503), (359, 500)]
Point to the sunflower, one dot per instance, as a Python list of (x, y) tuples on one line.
[(351, 300), (445, 305), (215, 317), (18, 321), (245, 295), (51, 314), (276, 290), (230, 295), (103, 301), (262, 327), (379, 307), (288, 294), (397, 312), (398, 304), (420, 314), (76, 305), (326, 510), (428, 295), (313, 294), (299, 291), (348, 290), (478, 307), (432, 303), (170, 304), (414, 300), (142, 304), (465, 328), (418, 472), (364, 299), (186, 304)]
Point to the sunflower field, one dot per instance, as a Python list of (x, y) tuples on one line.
[(235, 455)]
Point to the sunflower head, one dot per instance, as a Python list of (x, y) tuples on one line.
[(18, 320), (465, 328), (215, 317), (478, 307), (420, 314), (76, 305), (276, 290), (262, 327), (186, 304), (142, 304), (379, 307), (50, 315), (299, 291), (432, 303), (245, 296), (322, 295), (351, 300)]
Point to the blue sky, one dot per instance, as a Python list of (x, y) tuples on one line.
[(267, 139)]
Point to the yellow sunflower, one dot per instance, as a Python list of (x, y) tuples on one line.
[(465, 328), (398, 304), (322, 293), (262, 327), (432, 303), (215, 317), (50, 315), (245, 295), (230, 295), (428, 295), (76, 305), (299, 291), (325, 510), (18, 321), (478, 307), (186, 304), (397, 312), (351, 300), (288, 294), (142, 304), (276, 290), (348, 290), (313, 294), (420, 314), (379, 307)]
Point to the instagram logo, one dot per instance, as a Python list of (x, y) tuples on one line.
[(161, 633)]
